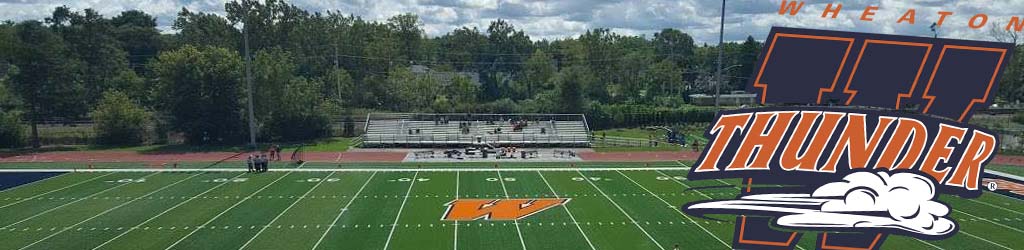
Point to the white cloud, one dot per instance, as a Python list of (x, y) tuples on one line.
[(901, 201), (568, 18)]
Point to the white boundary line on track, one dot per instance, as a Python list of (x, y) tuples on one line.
[(516, 221), (565, 206), (72, 202), (343, 210), (622, 210), (399, 215), (179, 170), (162, 213), (110, 210), (226, 210), (55, 190), (322, 180), (674, 208), (456, 242)]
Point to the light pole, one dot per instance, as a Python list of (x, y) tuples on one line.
[(248, 77), (721, 39)]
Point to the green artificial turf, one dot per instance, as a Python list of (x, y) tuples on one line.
[(299, 210)]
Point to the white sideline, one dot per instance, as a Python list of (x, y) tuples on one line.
[(343, 209), (162, 213), (399, 215), (565, 206), (516, 221), (285, 211), (674, 208), (622, 210), (110, 210), (180, 170), (55, 190)]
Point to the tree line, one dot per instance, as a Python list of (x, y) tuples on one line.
[(311, 67)]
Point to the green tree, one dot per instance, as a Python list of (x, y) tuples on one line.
[(540, 68), (138, 35), (408, 91), (462, 47), (48, 76), (665, 79), (339, 87), (571, 84), (200, 89), (464, 94), (206, 29), (288, 106), (12, 133), (409, 34), (749, 51), (90, 37), (119, 120), (674, 45), (302, 116)]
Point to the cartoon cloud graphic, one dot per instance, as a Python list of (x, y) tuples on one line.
[(878, 200)]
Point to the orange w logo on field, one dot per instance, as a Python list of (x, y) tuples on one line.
[(498, 209)]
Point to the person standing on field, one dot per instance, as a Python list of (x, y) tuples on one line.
[(250, 164), (277, 151)]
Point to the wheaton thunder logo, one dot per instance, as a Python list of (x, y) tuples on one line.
[(859, 135)]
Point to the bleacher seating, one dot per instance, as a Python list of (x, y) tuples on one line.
[(446, 130)]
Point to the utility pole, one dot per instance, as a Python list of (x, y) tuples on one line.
[(337, 81), (248, 77), (721, 38)]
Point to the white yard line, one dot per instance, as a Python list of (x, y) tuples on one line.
[(343, 209), (399, 215), (684, 184), (995, 206), (983, 239), (719, 180), (695, 190), (109, 210), (990, 221), (55, 190), (676, 209), (322, 180), (930, 244), (457, 178), (73, 202), (621, 210), (516, 221), (182, 170), (162, 213), (565, 206), (226, 210)]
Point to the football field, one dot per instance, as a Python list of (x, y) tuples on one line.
[(618, 206)]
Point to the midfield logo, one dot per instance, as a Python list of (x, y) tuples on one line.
[(498, 209), (860, 172)]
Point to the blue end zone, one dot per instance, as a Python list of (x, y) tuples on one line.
[(10, 180)]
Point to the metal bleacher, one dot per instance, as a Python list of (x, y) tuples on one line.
[(446, 130)]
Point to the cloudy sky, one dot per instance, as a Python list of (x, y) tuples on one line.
[(567, 18)]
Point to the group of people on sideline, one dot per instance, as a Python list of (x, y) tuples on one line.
[(260, 163)]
